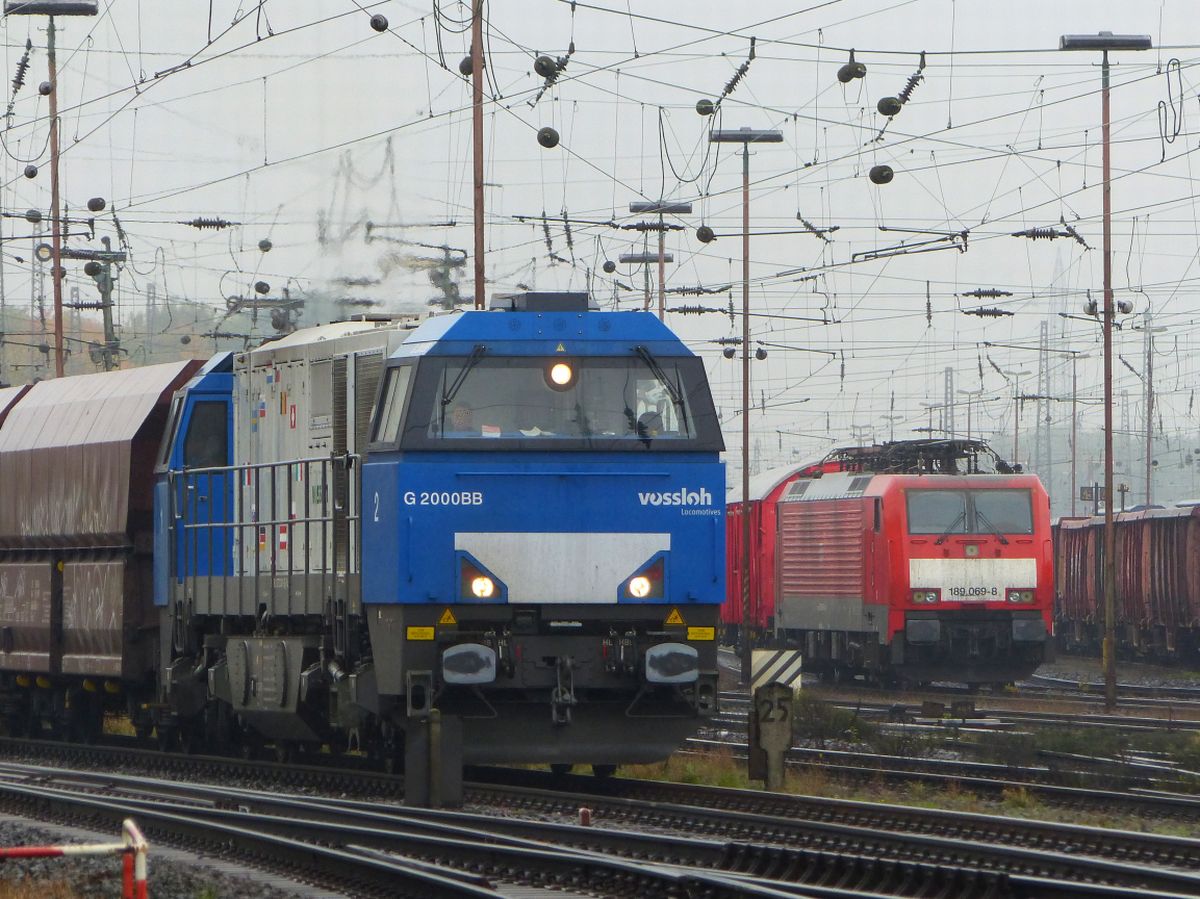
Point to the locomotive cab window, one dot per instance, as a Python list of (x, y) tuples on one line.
[(633, 403), (164, 449), (946, 512), (391, 404), (207, 436)]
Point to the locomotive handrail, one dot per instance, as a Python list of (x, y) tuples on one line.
[(280, 547)]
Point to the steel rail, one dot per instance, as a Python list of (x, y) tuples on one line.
[(435, 834)]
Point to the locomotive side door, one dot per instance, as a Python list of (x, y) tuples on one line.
[(203, 490)]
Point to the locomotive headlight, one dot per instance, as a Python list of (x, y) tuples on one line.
[(639, 587), (923, 596), (477, 584), (1019, 595), (561, 375)]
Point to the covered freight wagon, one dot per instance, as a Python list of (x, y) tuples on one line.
[(76, 506), (1157, 583)]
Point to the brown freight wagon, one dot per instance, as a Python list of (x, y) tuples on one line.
[(1157, 583), (78, 627)]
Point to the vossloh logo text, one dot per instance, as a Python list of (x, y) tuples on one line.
[(682, 497)]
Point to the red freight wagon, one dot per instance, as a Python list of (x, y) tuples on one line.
[(1157, 583), (907, 560), (765, 490)]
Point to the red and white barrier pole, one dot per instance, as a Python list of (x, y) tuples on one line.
[(133, 848)]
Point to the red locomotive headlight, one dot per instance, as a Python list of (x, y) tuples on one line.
[(1020, 594), (926, 596)]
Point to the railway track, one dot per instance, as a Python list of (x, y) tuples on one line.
[(804, 844), (734, 706), (1143, 798)]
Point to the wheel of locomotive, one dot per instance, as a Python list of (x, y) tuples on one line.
[(604, 771), (560, 769)]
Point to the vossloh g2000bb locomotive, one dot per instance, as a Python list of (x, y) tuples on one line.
[(904, 560), (512, 517)]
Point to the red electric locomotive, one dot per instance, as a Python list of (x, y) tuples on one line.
[(916, 560)]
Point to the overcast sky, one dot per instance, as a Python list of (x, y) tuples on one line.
[(300, 122)]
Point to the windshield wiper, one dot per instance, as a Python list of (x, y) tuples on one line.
[(656, 369), (987, 522), (949, 528), (472, 361), (449, 394)]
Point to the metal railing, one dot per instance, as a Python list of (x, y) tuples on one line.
[(284, 534)]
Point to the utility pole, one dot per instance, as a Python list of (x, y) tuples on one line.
[(56, 270), (1016, 413), (1074, 421), (949, 400), (1104, 42), (1149, 409), (98, 266), (51, 8), (662, 207), (477, 144), (745, 136)]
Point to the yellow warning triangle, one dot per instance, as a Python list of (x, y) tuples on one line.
[(560, 349), (447, 618), (674, 617)]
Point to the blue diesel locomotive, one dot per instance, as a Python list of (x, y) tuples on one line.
[(495, 535)]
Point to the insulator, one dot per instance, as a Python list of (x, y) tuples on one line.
[(910, 87), (265, 245), (18, 81), (1039, 233), (33, 216), (987, 312), (96, 204), (705, 234), (760, 354), (704, 106), (737, 77), (379, 22), (545, 66), (44, 88), (729, 352), (989, 293), (547, 137), (889, 106), (262, 287), (609, 266), (203, 223), (851, 70), (880, 174), (31, 171), (92, 268)]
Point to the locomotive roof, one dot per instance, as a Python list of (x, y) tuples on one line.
[(542, 334), (841, 484), (763, 483)]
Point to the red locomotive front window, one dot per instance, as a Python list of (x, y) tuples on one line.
[(946, 512), (1006, 511)]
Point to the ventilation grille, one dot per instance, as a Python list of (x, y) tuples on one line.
[(367, 369)]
